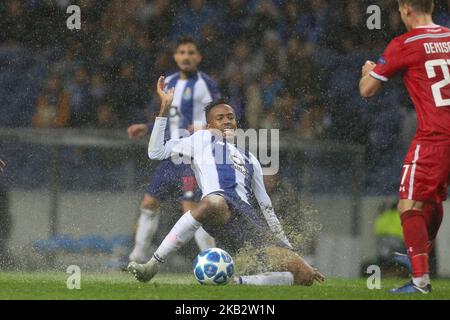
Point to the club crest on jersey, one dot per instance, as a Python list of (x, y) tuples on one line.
[(237, 160), (239, 164), (187, 94)]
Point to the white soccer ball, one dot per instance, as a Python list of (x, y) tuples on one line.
[(213, 266)]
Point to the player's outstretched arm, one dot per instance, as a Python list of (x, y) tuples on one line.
[(368, 85), (266, 204), (158, 149), (166, 97), (136, 131)]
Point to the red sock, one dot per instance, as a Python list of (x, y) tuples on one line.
[(433, 214), (415, 236)]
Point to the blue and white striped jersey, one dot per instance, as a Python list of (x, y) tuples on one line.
[(219, 167), (190, 98)]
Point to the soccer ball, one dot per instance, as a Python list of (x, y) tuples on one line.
[(213, 266)]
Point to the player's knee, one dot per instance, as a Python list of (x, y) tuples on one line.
[(402, 207), (212, 209), (187, 205), (405, 205), (149, 203)]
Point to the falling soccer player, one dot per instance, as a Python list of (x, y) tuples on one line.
[(422, 56), (230, 179), (193, 91)]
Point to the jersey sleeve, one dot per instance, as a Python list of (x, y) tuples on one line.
[(390, 63), (149, 126), (265, 204), (159, 149)]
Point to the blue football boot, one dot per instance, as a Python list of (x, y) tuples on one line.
[(410, 287)]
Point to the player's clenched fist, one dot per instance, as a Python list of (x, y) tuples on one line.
[(367, 68), (137, 131), (166, 97)]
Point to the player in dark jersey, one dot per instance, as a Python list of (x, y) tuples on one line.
[(422, 56)]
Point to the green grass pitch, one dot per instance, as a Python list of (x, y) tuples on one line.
[(119, 286)]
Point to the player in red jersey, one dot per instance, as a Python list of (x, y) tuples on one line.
[(422, 56)]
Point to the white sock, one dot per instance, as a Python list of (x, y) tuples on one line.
[(204, 240), (181, 233), (268, 279), (422, 281), (147, 225)]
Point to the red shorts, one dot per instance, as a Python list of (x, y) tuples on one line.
[(426, 172)]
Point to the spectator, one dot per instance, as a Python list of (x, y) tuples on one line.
[(305, 24), (313, 123), (236, 13), (53, 105), (442, 16), (193, 18), (107, 61), (266, 17), (253, 112), (163, 61), (241, 61), (158, 17), (261, 98), (284, 114), (235, 91), (107, 117), (145, 56), (14, 22), (256, 49), (291, 12), (98, 89), (321, 16), (272, 55), (302, 80), (213, 48), (127, 94), (271, 86), (80, 102)]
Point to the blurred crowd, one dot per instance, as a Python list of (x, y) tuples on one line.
[(288, 64)]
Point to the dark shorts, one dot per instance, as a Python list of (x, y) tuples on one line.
[(170, 181), (246, 227)]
